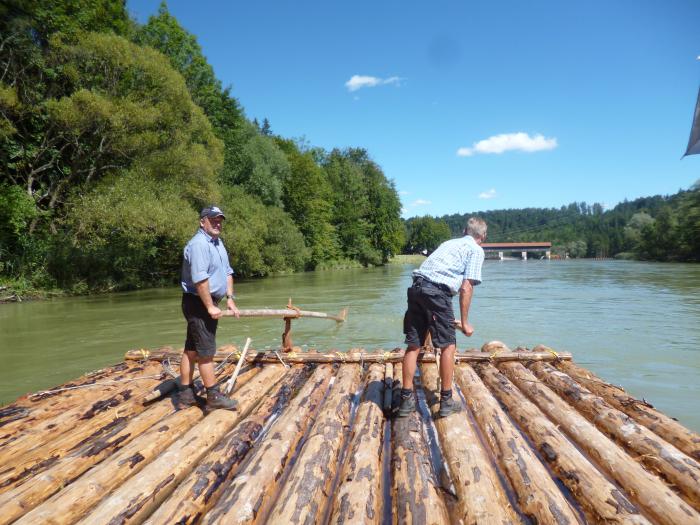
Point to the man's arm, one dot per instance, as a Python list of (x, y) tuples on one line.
[(230, 304), (465, 300), (204, 294)]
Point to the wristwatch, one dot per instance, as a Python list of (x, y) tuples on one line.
[(230, 296)]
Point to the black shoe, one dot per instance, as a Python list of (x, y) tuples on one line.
[(408, 406), (186, 398), (215, 399), (449, 406)]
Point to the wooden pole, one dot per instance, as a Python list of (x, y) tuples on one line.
[(642, 412), (250, 491), (656, 454), (601, 500), (648, 491), (203, 487), (286, 313), (416, 495), (480, 495), (359, 496), (232, 380), (133, 502), (80, 497), (537, 493), (303, 497)]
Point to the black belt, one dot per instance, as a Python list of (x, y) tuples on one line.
[(422, 281)]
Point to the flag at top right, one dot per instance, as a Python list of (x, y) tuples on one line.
[(694, 141)]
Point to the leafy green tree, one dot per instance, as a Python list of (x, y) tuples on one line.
[(689, 224), (425, 234)]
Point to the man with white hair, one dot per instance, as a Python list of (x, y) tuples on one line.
[(455, 267)]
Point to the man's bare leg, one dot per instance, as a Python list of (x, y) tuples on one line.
[(189, 358), (408, 369), (447, 367), (206, 370)]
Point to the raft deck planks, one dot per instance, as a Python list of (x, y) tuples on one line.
[(540, 439)]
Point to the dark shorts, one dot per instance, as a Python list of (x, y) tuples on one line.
[(429, 308), (201, 328)]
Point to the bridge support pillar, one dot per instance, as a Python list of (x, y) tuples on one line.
[(500, 256), (548, 254), (524, 256)]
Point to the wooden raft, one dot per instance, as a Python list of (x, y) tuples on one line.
[(539, 440)]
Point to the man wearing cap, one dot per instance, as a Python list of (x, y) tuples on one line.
[(455, 267), (207, 277)]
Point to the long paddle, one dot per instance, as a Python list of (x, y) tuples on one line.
[(232, 380)]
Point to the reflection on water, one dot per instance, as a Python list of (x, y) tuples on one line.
[(635, 324)]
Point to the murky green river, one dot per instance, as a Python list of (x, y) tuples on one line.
[(635, 324)]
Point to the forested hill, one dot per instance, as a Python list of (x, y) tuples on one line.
[(652, 228), (114, 134)]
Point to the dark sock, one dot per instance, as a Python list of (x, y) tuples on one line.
[(182, 388), (214, 388), (445, 394), (406, 392)]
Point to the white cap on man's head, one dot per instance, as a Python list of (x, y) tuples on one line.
[(211, 212)]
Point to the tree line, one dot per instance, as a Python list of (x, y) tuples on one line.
[(658, 228), (113, 134)]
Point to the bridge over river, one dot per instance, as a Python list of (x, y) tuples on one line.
[(523, 247)]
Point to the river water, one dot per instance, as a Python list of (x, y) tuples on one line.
[(635, 324)]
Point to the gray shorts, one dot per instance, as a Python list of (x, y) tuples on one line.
[(201, 328)]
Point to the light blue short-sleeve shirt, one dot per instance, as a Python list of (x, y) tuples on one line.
[(453, 262), (205, 258)]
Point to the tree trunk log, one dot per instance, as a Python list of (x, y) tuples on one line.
[(641, 411), (388, 388), (196, 494), (362, 356), (601, 500), (537, 493), (645, 489), (655, 453), (249, 492), (481, 498), (133, 502), (359, 497), (304, 495), (78, 498), (416, 495)]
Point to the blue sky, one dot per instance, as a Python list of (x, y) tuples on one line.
[(471, 106)]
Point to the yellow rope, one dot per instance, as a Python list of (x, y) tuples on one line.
[(144, 353), (556, 356), (495, 354)]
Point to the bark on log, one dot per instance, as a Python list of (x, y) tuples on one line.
[(645, 489), (396, 395), (249, 492), (416, 495), (642, 412), (362, 356), (481, 498), (656, 454), (196, 494), (21, 498), (538, 495), (388, 388), (303, 497), (80, 496), (602, 501), (359, 496), (133, 502)]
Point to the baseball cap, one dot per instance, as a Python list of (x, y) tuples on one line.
[(211, 212)]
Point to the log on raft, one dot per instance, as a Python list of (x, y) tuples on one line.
[(359, 496), (416, 495), (641, 411), (247, 496), (602, 501), (537, 494), (388, 388), (656, 454), (133, 502), (645, 489), (303, 497), (202, 488), (286, 313), (102, 444), (78, 498), (480, 496), (361, 356)]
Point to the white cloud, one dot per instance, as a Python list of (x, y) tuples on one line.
[(509, 142), (420, 202), (490, 194), (404, 192), (362, 81)]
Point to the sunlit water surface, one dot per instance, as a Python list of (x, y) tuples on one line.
[(635, 324)]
